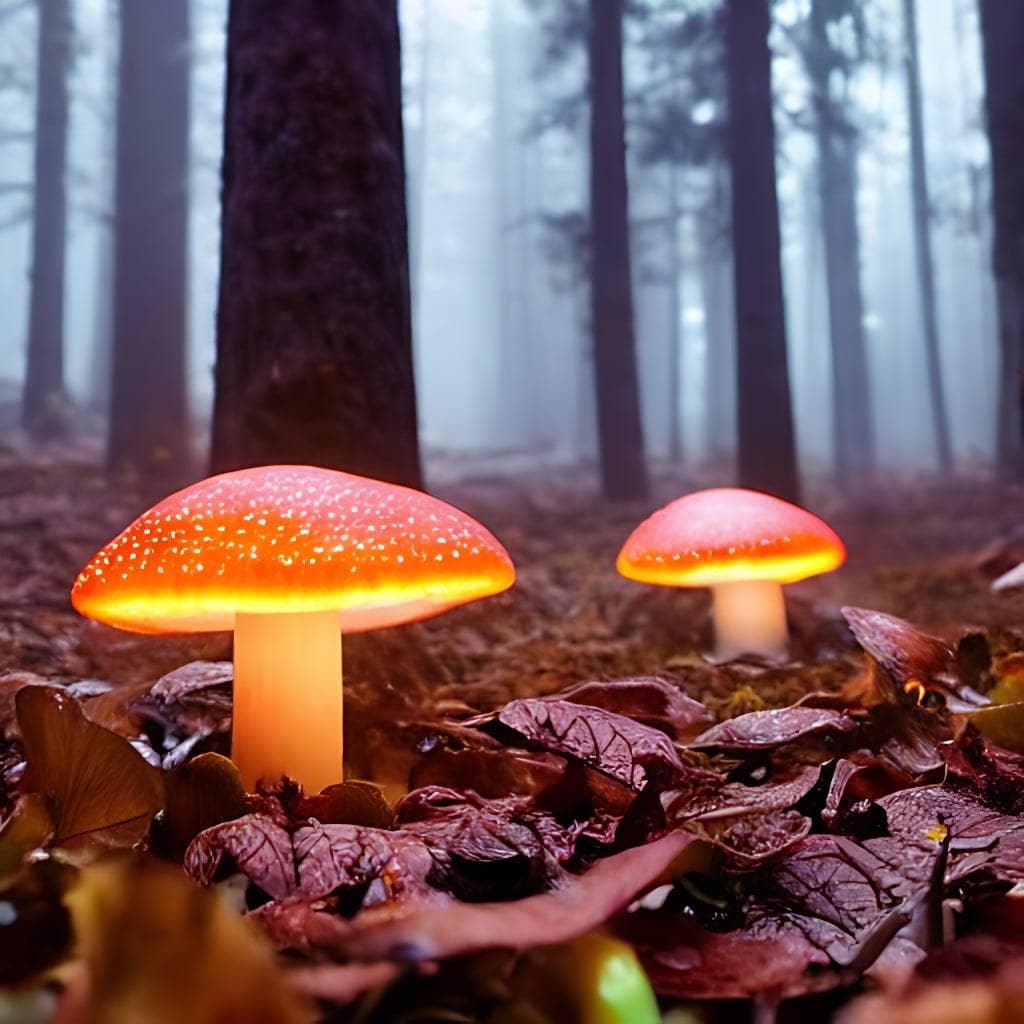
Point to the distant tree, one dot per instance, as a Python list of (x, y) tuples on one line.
[(621, 444), (314, 344), (922, 238), (829, 65), (43, 394), (149, 431), (767, 453), (1002, 33)]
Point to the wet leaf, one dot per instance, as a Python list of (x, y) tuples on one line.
[(92, 778)]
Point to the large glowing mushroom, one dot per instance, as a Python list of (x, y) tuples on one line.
[(289, 557), (743, 545)]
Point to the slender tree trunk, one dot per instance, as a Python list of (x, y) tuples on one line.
[(922, 240), (620, 434), (767, 452), (314, 341), (103, 316), (719, 330), (837, 189), (149, 431), (43, 394), (675, 332), (1002, 33)]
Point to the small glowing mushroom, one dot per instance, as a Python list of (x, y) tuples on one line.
[(743, 545), (289, 557)]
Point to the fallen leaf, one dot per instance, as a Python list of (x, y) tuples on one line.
[(93, 779)]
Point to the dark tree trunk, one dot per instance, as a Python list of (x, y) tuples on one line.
[(620, 434), (837, 190), (766, 449), (923, 241), (1002, 33), (716, 282), (314, 340), (149, 431), (43, 395), (675, 311)]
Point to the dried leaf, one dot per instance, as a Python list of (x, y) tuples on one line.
[(611, 743), (763, 729), (646, 699), (255, 845), (92, 778)]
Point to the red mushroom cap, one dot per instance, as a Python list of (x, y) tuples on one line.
[(729, 534), (290, 539)]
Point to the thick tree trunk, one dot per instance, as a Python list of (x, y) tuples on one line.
[(149, 431), (767, 453), (314, 341), (923, 241), (43, 394), (1002, 33), (620, 435), (837, 190)]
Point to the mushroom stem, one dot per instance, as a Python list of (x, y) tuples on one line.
[(287, 698), (749, 618)]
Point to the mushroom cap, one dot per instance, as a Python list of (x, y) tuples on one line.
[(290, 539), (729, 534)]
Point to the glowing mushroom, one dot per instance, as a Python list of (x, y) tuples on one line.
[(289, 557), (743, 545)]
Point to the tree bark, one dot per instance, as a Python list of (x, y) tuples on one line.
[(314, 340), (43, 394), (922, 239), (837, 189), (149, 429), (620, 434), (766, 448), (1002, 34)]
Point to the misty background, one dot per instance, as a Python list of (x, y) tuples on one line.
[(497, 161)]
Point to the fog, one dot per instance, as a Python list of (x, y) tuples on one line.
[(497, 180)]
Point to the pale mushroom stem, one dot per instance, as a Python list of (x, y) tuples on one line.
[(287, 698), (749, 618)]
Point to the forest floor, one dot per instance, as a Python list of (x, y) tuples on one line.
[(922, 550)]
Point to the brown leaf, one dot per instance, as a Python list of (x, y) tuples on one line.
[(761, 729), (611, 743), (255, 845), (92, 778)]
